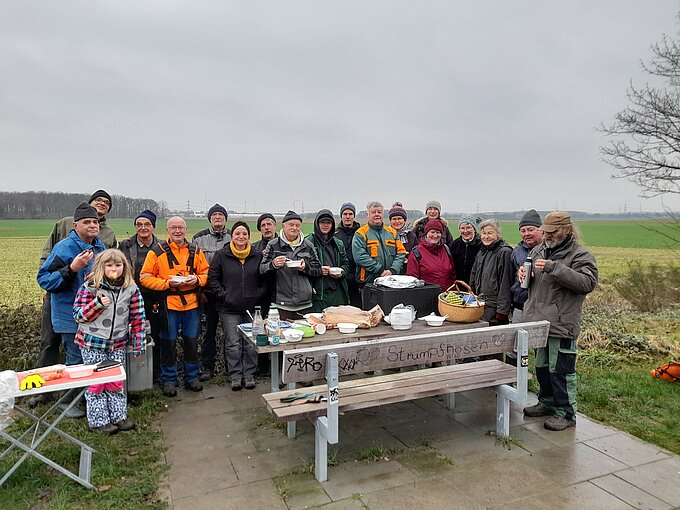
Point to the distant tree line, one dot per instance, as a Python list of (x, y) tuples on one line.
[(49, 205)]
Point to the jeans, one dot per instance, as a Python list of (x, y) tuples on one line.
[(188, 322), (73, 354), (240, 354)]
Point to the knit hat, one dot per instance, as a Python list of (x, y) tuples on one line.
[(84, 210), (100, 193), (435, 204), (530, 218), (240, 224), (348, 205), (264, 217), (467, 218), (291, 215), (217, 208), (397, 210), (434, 225), (149, 215)]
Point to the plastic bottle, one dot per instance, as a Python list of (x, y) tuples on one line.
[(527, 273), (258, 322), (274, 325)]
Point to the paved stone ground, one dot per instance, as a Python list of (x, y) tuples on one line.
[(224, 451)]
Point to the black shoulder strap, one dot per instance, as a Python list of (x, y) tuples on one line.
[(190, 260), (416, 252)]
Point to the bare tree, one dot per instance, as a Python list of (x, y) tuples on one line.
[(645, 136)]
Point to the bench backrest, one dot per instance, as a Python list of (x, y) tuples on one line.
[(301, 365)]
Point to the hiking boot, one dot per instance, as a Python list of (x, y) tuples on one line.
[(169, 390), (74, 412), (125, 425), (538, 410), (109, 429), (236, 385), (250, 383), (206, 375), (558, 423), (193, 386)]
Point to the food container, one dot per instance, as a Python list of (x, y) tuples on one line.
[(79, 371), (335, 271), (434, 320), (293, 263), (293, 335), (347, 327)]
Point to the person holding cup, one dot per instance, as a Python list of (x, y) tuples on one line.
[(330, 289)]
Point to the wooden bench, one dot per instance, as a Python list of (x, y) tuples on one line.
[(403, 350)]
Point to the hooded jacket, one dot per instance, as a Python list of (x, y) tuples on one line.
[(492, 275), (329, 291), (55, 276), (293, 287), (375, 249), (237, 287), (556, 294)]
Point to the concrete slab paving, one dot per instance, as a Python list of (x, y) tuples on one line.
[(225, 451)]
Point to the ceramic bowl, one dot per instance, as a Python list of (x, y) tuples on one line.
[(434, 320), (347, 327)]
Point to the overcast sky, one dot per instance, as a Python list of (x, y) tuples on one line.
[(482, 105)]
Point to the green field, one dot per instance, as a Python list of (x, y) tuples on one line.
[(606, 234)]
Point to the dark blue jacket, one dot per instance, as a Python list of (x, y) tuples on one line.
[(519, 255), (55, 276)]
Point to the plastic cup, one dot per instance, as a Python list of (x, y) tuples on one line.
[(319, 329)]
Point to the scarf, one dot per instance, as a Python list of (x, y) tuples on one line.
[(292, 244), (241, 255)]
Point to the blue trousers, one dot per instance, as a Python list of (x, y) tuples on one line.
[(186, 323)]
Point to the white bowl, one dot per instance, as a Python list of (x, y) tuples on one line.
[(335, 271), (179, 279), (347, 327), (293, 335), (79, 371), (434, 320), (293, 263)]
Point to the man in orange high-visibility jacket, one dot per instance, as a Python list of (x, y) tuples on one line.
[(177, 269), (376, 248)]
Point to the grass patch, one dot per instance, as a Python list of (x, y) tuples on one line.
[(125, 467), (376, 453), (626, 396)]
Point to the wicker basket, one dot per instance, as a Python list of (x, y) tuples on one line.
[(460, 313)]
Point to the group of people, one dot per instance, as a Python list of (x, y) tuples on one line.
[(99, 298)]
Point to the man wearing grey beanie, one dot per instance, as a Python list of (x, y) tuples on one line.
[(531, 236)]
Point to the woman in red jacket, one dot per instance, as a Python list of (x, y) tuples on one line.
[(431, 259)]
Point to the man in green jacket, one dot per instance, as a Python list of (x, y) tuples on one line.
[(376, 248), (563, 273)]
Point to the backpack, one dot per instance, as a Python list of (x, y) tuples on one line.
[(668, 372)]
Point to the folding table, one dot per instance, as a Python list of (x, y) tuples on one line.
[(30, 440)]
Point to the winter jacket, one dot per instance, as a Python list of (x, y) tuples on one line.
[(261, 244), (409, 240), (55, 276), (112, 327), (556, 294), (136, 255), (210, 242), (519, 256), (492, 275), (376, 249), (346, 234), (464, 255), (62, 228), (237, 287), (329, 291), (435, 265), (293, 287), (156, 274), (419, 230)]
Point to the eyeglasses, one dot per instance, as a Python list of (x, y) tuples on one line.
[(177, 227), (102, 200)]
